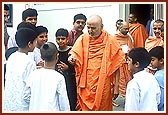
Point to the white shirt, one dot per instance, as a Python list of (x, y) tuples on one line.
[(12, 42), (35, 55), (46, 91), (142, 93), (18, 68)]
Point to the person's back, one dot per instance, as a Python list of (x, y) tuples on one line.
[(7, 54), (46, 88), (143, 92), (18, 68), (48, 91), (145, 87)]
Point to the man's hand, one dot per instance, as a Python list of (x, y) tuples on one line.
[(71, 60), (116, 84)]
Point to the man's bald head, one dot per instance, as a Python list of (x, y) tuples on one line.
[(94, 26), (95, 19), (124, 28)]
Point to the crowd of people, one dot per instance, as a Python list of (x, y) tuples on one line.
[(84, 71)]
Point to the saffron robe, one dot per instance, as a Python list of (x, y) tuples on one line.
[(125, 76), (153, 41), (139, 34), (96, 62)]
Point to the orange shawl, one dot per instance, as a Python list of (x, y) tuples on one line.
[(124, 39), (152, 42), (96, 62), (125, 76), (139, 34)]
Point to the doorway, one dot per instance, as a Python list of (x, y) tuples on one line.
[(142, 11)]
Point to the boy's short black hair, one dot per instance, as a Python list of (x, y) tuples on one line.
[(41, 29), (48, 51), (30, 12), (157, 52), (80, 16), (23, 36), (61, 32), (27, 25), (10, 51), (140, 55)]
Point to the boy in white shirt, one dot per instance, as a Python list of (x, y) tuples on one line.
[(46, 88), (143, 92), (18, 68)]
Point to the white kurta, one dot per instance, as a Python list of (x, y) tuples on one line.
[(18, 68), (35, 55), (142, 93), (46, 91), (12, 41)]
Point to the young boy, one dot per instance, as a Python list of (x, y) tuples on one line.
[(65, 67), (157, 55), (18, 68), (30, 16), (143, 92), (42, 38), (46, 88)]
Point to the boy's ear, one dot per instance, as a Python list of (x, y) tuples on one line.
[(57, 56), (67, 39), (29, 44), (137, 64), (161, 61)]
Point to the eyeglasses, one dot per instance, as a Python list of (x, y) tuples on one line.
[(6, 16), (157, 28), (82, 22)]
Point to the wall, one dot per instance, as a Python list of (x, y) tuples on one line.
[(55, 15), (17, 16)]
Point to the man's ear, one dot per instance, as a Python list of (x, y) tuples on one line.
[(102, 26)]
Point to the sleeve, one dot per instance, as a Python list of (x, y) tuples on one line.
[(31, 66), (132, 97), (27, 90), (12, 42), (160, 79), (63, 97)]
